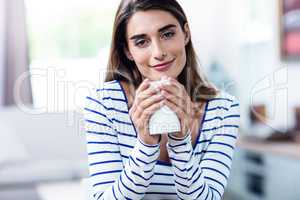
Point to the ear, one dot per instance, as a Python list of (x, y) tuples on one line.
[(128, 54), (186, 33)]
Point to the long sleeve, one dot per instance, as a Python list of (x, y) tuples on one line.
[(109, 177), (203, 174)]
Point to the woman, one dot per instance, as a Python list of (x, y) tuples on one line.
[(151, 39)]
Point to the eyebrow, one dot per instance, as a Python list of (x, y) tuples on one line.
[(159, 30)]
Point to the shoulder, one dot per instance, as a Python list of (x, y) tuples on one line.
[(105, 93), (107, 87), (223, 100), (108, 90), (222, 106), (223, 112)]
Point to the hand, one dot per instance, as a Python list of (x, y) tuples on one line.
[(178, 100), (146, 102)]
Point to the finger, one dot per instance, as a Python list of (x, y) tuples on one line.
[(137, 117), (176, 83), (182, 115), (132, 110), (144, 104), (148, 104), (147, 93), (179, 102), (144, 95), (140, 104), (174, 89), (169, 88), (138, 111), (140, 97), (150, 110), (151, 100), (178, 110), (144, 85), (135, 111)]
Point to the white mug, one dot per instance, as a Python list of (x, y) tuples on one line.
[(164, 120)]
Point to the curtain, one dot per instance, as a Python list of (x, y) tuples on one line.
[(14, 59)]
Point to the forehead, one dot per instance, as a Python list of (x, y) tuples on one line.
[(147, 22)]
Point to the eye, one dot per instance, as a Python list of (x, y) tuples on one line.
[(168, 35), (141, 43)]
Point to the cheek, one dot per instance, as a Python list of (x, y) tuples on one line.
[(181, 58), (179, 51), (141, 60), (183, 52), (140, 57), (177, 47)]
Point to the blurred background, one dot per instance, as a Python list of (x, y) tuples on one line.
[(52, 53)]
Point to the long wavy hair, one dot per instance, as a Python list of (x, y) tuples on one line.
[(122, 69)]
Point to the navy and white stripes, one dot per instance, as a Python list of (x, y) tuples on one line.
[(123, 167)]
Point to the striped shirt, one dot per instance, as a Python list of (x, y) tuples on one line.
[(121, 166)]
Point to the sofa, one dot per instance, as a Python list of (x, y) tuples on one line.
[(37, 148)]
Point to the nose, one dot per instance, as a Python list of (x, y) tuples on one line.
[(158, 51)]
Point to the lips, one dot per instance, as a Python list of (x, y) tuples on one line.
[(163, 66)]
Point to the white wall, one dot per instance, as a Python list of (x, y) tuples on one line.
[(209, 27), (244, 36), (261, 67)]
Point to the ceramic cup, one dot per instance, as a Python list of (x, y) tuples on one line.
[(164, 120)]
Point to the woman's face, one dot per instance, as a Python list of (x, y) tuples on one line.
[(156, 43)]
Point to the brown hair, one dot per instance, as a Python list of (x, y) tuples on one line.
[(122, 69)]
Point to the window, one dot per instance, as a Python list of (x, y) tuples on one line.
[(68, 42)]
